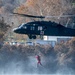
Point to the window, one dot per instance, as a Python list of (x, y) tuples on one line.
[(32, 27), (25, 27), (20, 26), (39, 27)]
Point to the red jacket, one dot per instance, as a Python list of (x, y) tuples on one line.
[(38, 58)]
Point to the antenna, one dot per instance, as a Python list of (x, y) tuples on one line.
[(67, 22)]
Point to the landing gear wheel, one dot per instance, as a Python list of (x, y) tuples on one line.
[(30, 36), (34, 37)]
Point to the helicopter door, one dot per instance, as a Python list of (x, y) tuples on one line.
[(40, 28), (41, 32)]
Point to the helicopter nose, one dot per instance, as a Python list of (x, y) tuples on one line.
[(15, 30)]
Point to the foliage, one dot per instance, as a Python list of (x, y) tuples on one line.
[(49, 7), (3, 29)]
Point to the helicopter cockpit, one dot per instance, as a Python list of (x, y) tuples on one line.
[(20, 26)]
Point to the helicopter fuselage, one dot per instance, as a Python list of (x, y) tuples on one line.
[(47, 28)]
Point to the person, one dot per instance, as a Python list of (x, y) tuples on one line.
[(38, 57)]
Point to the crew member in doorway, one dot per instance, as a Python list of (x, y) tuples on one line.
[(38, 57)]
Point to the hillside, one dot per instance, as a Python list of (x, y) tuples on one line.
[(49, 8), (39, 7), (3, 29)]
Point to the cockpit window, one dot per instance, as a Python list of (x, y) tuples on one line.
[(21, 25), (25, 27)]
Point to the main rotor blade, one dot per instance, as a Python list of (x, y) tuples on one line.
[(29, 15), (60, 16), (64, 16)]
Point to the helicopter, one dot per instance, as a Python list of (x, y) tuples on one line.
[(42, 28)]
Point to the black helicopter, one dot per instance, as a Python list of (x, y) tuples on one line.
[(42, 28)]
